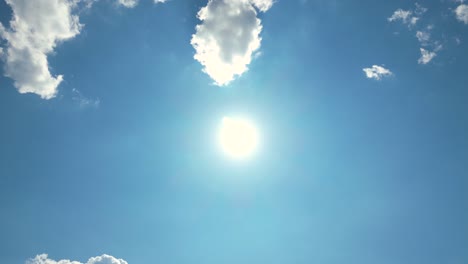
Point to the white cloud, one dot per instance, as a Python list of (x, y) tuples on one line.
[(37, 27), (104, 259), (403, 15), (228, 37), (262, 5), (462, 13), (377, 72), (426, 56), (423, 37), (128, 3), (407, 16), (133, 3), (124, 3)]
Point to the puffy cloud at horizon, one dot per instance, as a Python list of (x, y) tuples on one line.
[(104, 259), (377, 72), (228, 37), (36, 28)]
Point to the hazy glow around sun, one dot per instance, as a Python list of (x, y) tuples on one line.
[(238, 137)]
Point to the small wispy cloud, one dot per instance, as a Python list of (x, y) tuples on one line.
[(124, 3), (128, 3), (104, 259), (405, 16), (428, 46), (83, 101), (409, 17), (377, 72), (423, 37), (426, 56)]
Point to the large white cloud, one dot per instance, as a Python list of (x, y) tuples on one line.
[(104, 259), (36, 28), (377, 72), (462, 13), (228, 37)]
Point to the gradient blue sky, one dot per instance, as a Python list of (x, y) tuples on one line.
[(124, 160)]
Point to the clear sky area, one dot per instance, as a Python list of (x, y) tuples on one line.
[(233, 131)]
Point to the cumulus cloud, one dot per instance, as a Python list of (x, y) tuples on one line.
[(104, 259), (36, 28), (426, 56), (377, 72), (228, 37), (462, 13)]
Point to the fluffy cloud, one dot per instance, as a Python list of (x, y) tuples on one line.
[(37, 27), (228, 37), (377, 72), (462, 13), (263, 5), (104, 259), (426, 56)]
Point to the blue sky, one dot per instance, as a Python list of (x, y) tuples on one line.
[(360, 106)]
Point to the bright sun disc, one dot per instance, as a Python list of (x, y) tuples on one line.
[(238, 137)]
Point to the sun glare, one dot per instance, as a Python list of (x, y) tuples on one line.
[(238, 137)]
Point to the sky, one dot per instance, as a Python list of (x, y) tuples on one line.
[(110, 112)]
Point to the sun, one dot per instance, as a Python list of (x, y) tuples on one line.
[(238, 137)]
